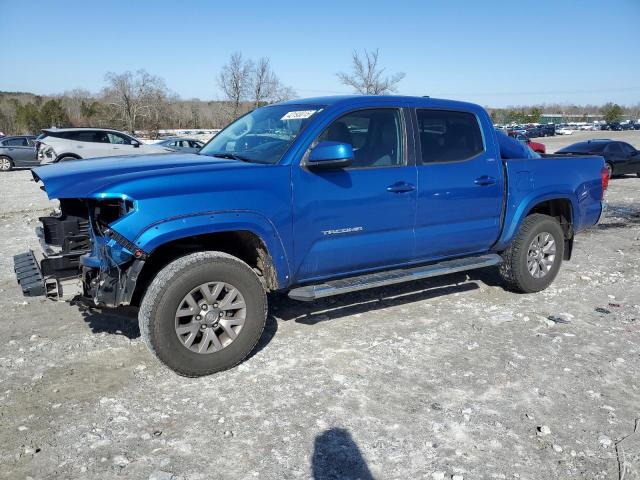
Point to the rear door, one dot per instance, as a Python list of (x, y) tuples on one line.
[(460, 184), (361, 217), (89, 143)]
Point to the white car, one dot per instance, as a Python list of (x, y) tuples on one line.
[(564, 131), (63, 144)]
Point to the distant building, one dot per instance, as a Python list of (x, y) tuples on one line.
[(569, 117)]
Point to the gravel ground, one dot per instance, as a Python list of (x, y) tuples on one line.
[(447, 378)]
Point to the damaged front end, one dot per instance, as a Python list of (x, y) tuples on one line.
[(82, 255)]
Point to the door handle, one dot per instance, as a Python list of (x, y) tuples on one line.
[(400, 187), (485, 180)]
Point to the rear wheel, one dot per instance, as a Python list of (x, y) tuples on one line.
[(5, 164), (203, 313), (533, 259), (609, 168)]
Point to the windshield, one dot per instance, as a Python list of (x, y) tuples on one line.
[(263, 135)]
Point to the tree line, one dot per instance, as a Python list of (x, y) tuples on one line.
[(610, 112), (140, 101)]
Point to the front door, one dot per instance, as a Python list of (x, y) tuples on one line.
[(461, 186), (360, 217)]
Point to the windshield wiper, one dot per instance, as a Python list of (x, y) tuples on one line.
[(232, 156)]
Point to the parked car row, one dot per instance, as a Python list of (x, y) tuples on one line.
[(546, 130), (63, 144), (618, 127), (531, 131)]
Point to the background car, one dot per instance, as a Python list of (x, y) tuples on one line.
[(620, 157), (564, 130), (535, 146), (549, 130), (63, 144), (533, 132), (19, 151), (181, 144)]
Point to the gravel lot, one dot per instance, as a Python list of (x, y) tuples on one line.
[(447, 378)]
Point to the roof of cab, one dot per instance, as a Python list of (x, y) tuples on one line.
[(356, 100)]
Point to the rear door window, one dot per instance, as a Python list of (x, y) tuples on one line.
[(448, 136)]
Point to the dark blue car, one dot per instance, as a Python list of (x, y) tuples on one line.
[(312, 197)]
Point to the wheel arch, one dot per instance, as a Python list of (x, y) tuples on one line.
[(557, 206), (257, 244), (63, 155)]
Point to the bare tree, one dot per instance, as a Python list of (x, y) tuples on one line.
[(367, 77), (264, 82), (234, 80), (131, 98)]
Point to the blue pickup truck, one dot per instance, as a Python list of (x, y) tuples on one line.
[(312, 197)]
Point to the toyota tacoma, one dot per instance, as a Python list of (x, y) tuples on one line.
[(312, 197)]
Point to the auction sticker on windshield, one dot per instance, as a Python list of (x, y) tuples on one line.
[(298, 115)]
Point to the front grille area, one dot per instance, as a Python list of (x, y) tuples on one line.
[(68, 231)]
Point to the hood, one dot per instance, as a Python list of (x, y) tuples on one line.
[(111, 175)]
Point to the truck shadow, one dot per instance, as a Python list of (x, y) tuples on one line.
[(124, 320), (118, 321), (285, 309)]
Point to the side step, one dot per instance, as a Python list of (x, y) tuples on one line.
[(389, 277)]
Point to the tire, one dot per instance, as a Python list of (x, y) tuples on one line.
[(66, 158), (515, 269), (166, 298), (609, 168), (6, 164)]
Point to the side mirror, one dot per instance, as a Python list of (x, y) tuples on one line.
[(135, 144), (330, 155)]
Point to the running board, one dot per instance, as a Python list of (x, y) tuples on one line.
[(389, 277)]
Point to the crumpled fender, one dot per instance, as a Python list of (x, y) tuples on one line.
[(160, 233)]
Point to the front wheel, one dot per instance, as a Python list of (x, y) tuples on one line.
[(533, 259), (203, 313)]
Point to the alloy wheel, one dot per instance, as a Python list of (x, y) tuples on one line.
[(541, 255), (210, 317)]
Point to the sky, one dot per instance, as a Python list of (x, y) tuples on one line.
[(492, 52)]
